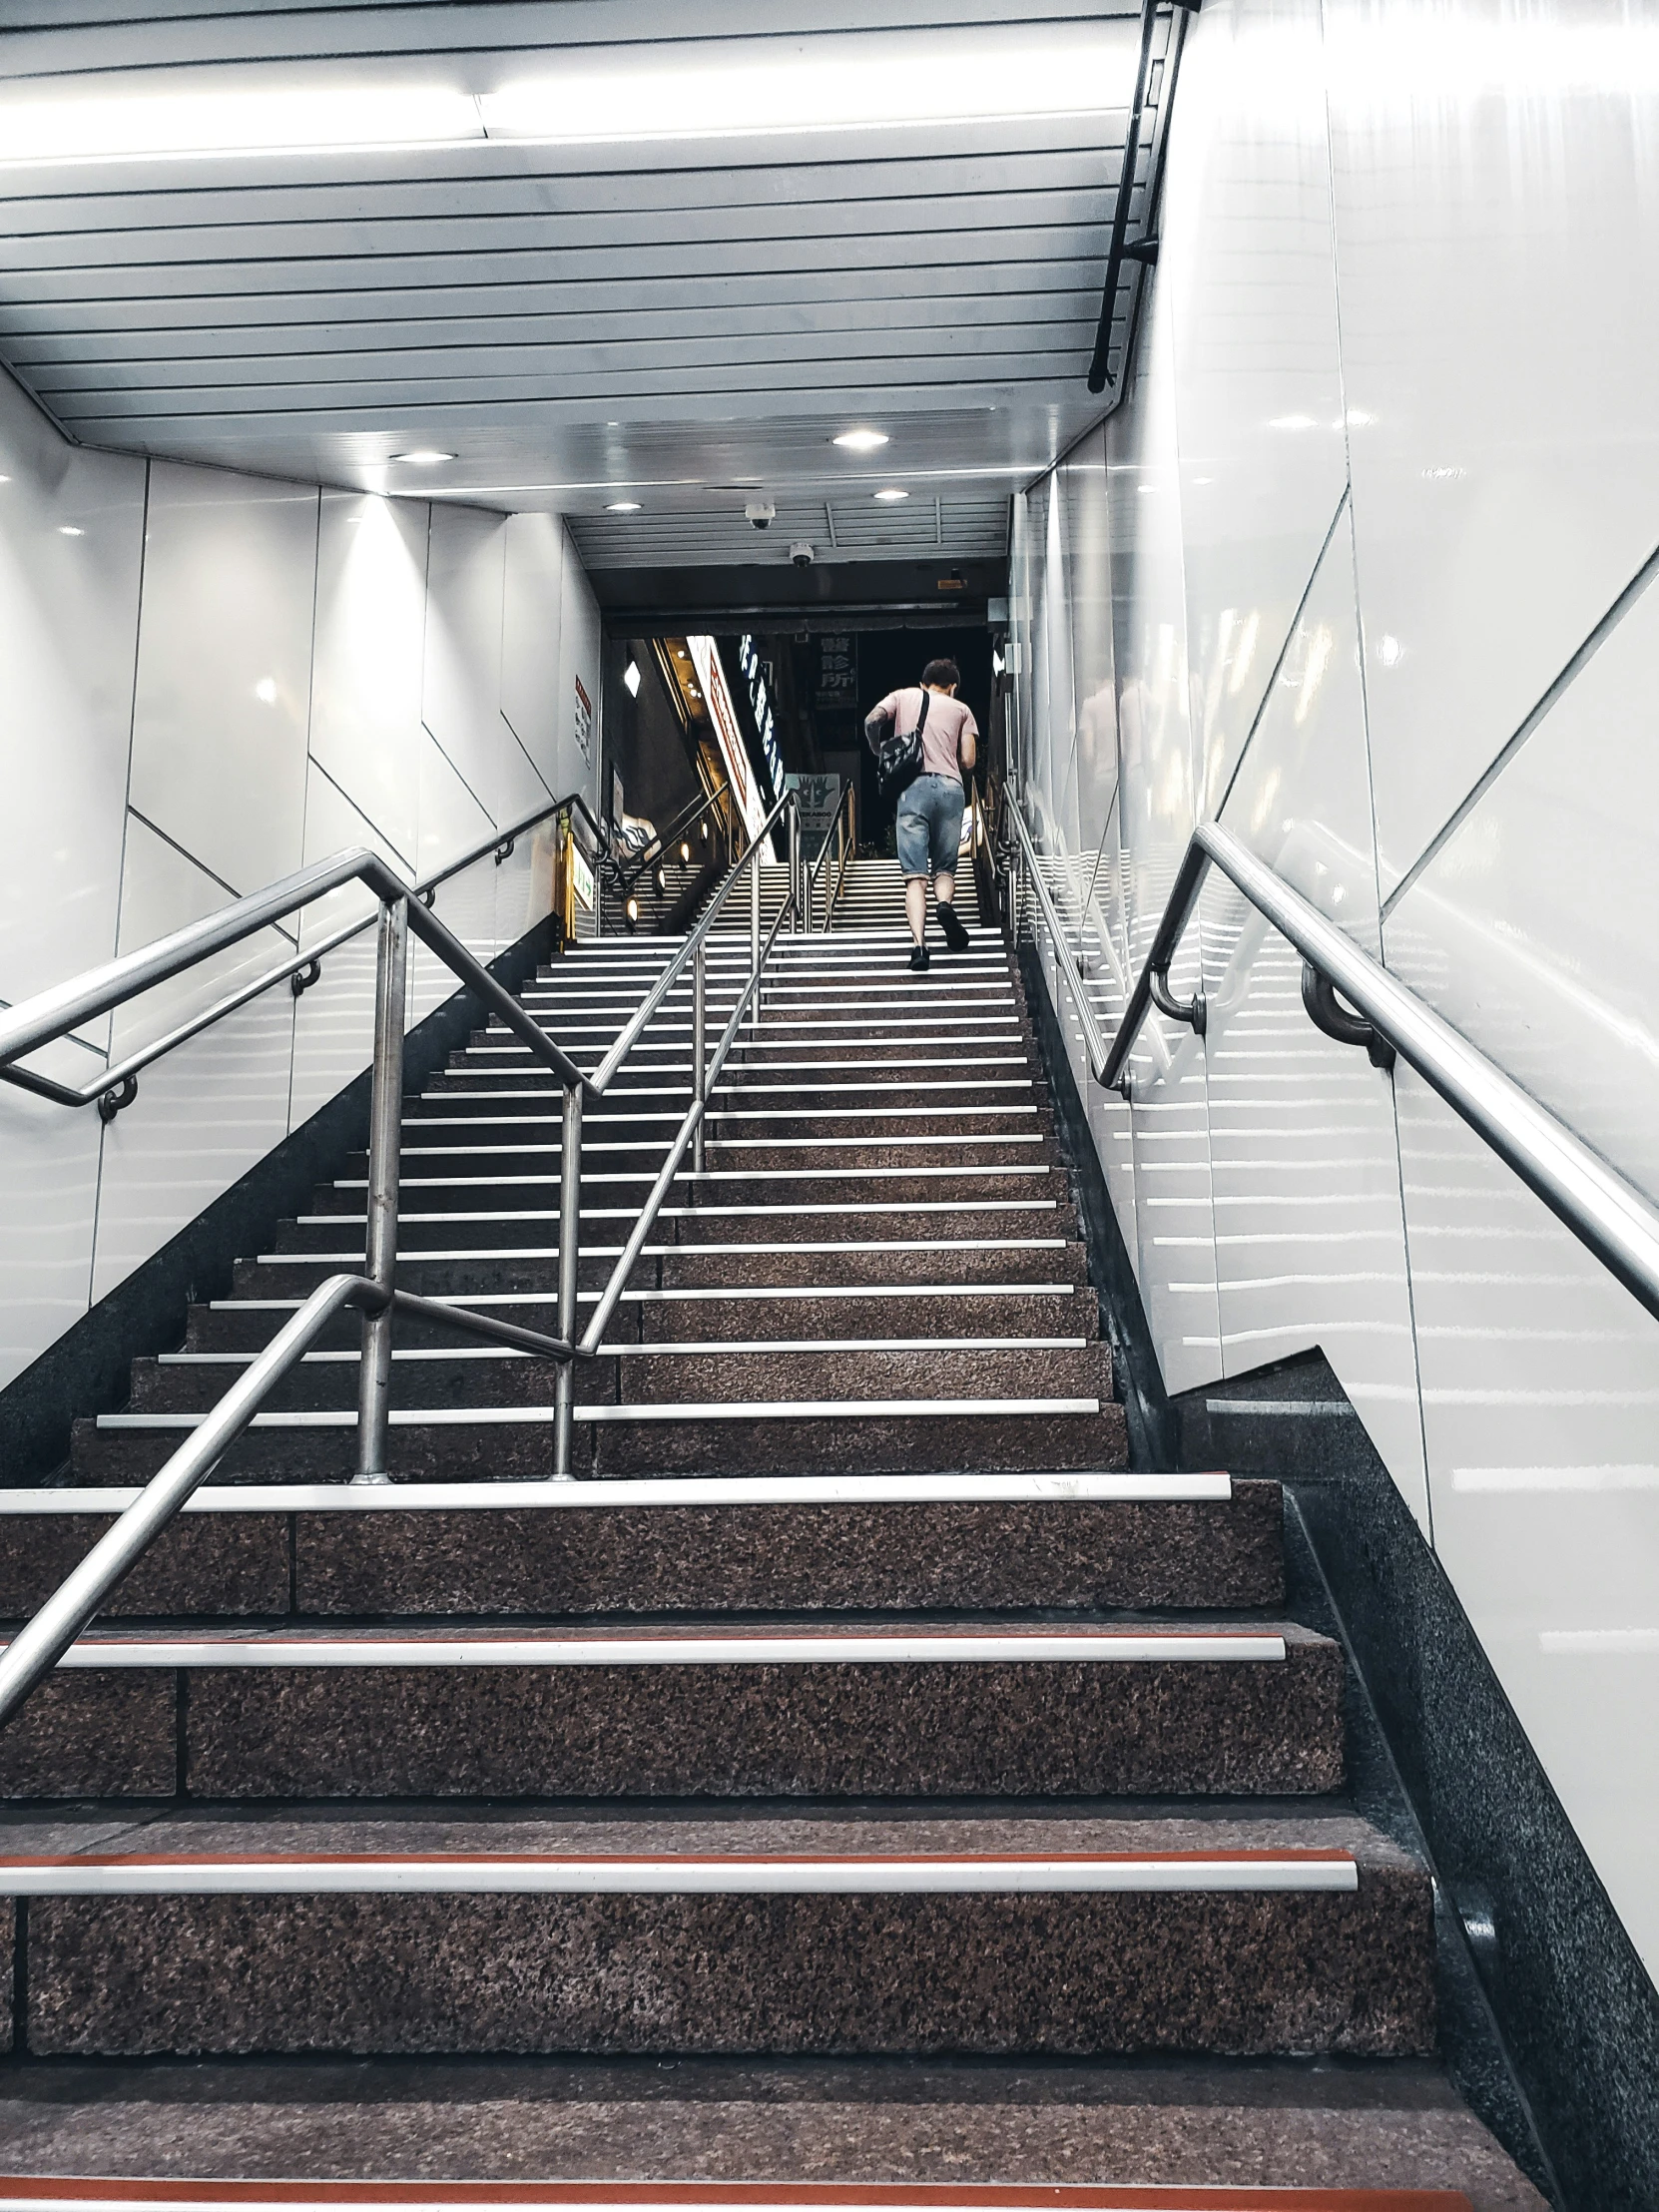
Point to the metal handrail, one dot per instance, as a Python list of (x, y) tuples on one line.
[(54, 1627), (116, 1087), (693, 812), (848, 837), (1605, 1211)]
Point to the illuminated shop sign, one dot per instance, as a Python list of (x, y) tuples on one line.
[(723, 713), (760, 698)]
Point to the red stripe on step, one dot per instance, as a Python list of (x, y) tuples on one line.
[(993, 2197), (1294, 1857)]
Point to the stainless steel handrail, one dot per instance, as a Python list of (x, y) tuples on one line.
[(375, 1294), (117, 1087), (1605, 1211), (840, 828), (693, 812)]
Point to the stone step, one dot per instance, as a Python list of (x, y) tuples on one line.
[(1376, 2139), (721, 1215), (957, 1543), (483, 1375), (1040, 1309), (892, 1433), (980, 1708), (734, 1253), (996, 1934), (1252, 2131)]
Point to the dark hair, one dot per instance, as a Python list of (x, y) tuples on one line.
[(943, 673)]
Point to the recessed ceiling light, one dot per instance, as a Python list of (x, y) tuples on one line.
[(860, 441), (623, 507), (893, 492), (425, 456), (69, 531)]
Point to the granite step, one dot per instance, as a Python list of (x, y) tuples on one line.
[(824, 1545), (891, 1434), (715, 1215), (401, 2135), (737, 1251), (1053, 1308), (680, 1369), (923, 1932), (977, 1708)]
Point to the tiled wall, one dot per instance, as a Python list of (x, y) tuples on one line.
[(206, 680), (1362, 569)]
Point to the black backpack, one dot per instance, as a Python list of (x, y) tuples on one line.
[(898, 759)]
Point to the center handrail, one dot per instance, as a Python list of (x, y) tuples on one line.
[(840, 829), (375, 1294)]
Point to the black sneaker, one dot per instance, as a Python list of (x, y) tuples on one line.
[(954, 934), (919, 957)]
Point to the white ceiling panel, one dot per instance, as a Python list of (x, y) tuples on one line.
[(683, 321)]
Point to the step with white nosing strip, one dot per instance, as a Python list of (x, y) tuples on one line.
[(806, 1647), (540, 1416), (733, 1873), (710, 1347), (696, 1492)]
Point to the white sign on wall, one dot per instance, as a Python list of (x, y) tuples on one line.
[(584, 724)]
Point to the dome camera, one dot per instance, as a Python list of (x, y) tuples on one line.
[(759, 515), (800, 554)]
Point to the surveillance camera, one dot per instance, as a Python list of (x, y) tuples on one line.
[(802, 554), (760, 513)]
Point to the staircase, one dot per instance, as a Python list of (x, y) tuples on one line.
[(945, 1801)]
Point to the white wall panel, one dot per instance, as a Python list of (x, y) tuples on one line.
[(579, 650), (1173, 1216), (71, 543), (333, 1020), (223, 669), (1496, 177), (451, 822), (1536, 929), (371, 625), (48, 1204), (531, 637), (207, 1111), (1310, 1235), (461, 688), (1540, 1381), (1248, 258)]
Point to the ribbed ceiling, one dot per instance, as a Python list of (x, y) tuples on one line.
[(685, 321)]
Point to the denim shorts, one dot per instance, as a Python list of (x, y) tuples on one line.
[(929, 825)]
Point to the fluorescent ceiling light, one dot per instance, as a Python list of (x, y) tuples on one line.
[(293, 119), (818, 84), (862, 441), (623, 507), (425, 456), (631, 678), (893, 492)]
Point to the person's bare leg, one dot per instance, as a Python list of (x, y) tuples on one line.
[(916, 906), (944, 890)]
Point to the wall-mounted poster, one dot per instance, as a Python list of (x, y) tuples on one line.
[(584, 724)]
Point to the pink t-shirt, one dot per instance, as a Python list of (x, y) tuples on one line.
[(948, 722)]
